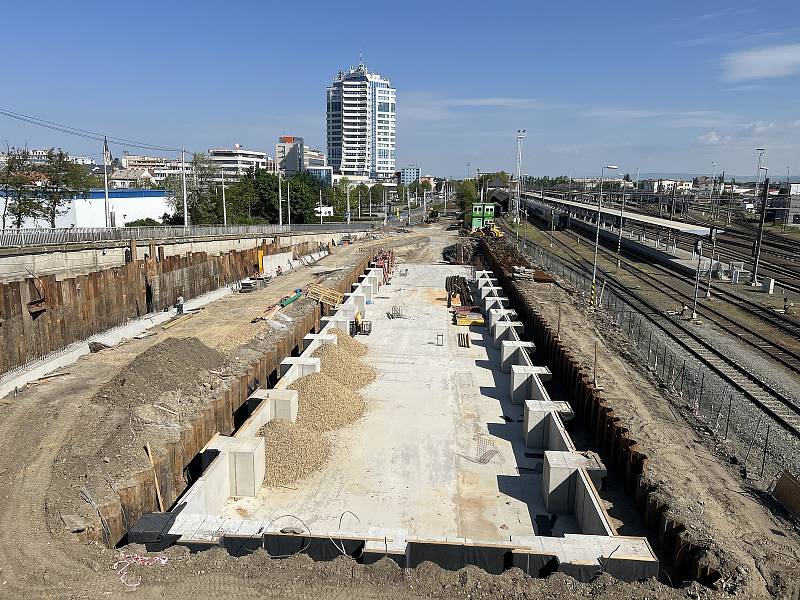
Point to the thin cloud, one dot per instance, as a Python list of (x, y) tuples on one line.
[(761, 63), (622, 113)]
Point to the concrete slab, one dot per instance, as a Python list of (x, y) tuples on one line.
[(439, 451)]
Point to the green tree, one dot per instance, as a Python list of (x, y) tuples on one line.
[(304, 197), (339, 194), (466, 194), (21, 202), (63, 180), (148, 222), (203, 192), (359, 197), (627, 177)]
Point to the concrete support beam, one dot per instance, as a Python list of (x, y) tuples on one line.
[(295, 367), (524, 379), (484, 281), (498, 314), (482, 274), (560, 478), (372, 280), (363, 288), (490, 302), (513, 353), (490, 290), (501, 329), (336, 321), (358, 301), (319, 338), (537, 422)]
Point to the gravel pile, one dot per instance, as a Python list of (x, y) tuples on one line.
[(326, 404), (340, 365), (348, 343), (292, 451)]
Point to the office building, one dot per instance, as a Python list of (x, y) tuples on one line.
[(293, 156), (361, 125), (236, 161), (409, 175)]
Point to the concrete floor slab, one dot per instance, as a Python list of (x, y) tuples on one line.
[(440, 452)]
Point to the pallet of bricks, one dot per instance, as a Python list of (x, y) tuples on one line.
[(385, 260)]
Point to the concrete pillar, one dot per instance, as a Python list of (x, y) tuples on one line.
[(363, 288), (373, 281), (357, 301), (490, 302), (501, 328), (490, 290), (295, 367), (481, 274), (559, 478), (500, 314), (523, 379), (484, 281), (320, 338), (511, 353), (337, 321)]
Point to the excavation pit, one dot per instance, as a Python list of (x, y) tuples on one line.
[(439, 467)]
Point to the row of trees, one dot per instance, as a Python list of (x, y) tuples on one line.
[(39, 191)]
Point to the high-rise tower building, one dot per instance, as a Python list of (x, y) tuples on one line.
[(361, 124)]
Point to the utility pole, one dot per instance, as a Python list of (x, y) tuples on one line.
[(370, 204), (106, 155), (280, 199), (348, 203), (711, 195), (761, 228), (597, 231), (699, 248), (619, 239), (320, 207), (224, 206), (288, 206), (713, 234), (672, 208), (408, 202), (520, 137), (183, 178)]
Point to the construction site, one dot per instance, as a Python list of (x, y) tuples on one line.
[(382, 413)]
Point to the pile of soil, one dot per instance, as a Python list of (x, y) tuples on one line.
[(172, 364)]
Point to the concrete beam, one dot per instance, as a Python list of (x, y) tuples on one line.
[(559, 478), (484, 281), (511, 353), (536, 422), (363, 288), (498, 314), (319, 338), (490, 290), (480, 274), (490, 302), (358, 301), (500, 330), (523, 379), (295, 367)]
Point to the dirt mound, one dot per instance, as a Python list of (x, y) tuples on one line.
[(292, 451), (348, 343), (326, 404), (339, 364), (171, 365), (461, 253)]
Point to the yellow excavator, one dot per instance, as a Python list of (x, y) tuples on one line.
[(491, 231)]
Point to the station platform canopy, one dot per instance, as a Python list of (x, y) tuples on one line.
[(677, 226)]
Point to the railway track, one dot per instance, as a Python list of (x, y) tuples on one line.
[(782, 409)]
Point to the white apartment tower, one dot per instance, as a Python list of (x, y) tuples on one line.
[(361, 125)]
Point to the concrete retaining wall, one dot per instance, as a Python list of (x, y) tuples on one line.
[(617, 447)]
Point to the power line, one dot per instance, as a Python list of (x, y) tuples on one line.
[(91, 135)]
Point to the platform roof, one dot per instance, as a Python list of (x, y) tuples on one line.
[(679, 226)]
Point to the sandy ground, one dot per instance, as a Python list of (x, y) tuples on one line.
[(39, 559)]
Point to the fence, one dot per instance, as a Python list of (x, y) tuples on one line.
[(760, 445), (45, 237)]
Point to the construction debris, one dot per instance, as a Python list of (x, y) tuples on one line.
[(292, 452), (326, 404)]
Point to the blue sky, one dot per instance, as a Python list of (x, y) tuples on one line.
[(664, 87)]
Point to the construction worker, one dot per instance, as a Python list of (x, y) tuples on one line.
[(179, 304), (279, 271)]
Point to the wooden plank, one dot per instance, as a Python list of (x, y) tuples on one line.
[(155, 477)]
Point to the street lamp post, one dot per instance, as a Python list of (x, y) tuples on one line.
[(761, 226), (520, 137), (711, 265), (619, 238), (711, 194), (597, 231)]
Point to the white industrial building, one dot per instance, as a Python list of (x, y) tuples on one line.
[(124, 206), (361, 125)]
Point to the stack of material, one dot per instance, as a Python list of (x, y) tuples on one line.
[(326, 404), (343, 366), (346, 342), (524, 274), (324, 295), (292, 451), (457, 285)]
